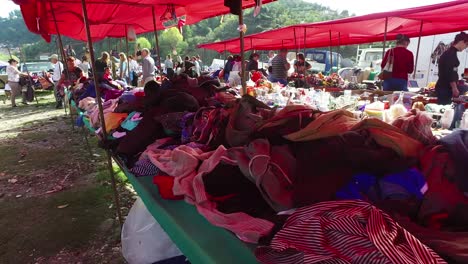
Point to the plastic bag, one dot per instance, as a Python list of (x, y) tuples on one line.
[(143, 239)]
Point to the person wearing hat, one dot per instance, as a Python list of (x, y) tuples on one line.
[(402, 63), (446, 86), (13, 81), (58, 68)]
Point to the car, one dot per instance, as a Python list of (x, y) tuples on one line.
[(36, 68)]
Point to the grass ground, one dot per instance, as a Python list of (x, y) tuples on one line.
[(56, 202)]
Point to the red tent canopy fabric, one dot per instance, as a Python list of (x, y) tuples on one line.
[(435, 19), (108, 18)]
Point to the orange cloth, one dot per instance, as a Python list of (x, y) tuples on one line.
[(113, 120)]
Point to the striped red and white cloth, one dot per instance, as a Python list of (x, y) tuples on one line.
[(341, 232)]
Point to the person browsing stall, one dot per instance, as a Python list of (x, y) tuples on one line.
[(70, 77), (253, 62), (402, 62), (446, 86), (280, 67), (147, 66), (58, 68), (300, 65), (169, 65), (13, 81)]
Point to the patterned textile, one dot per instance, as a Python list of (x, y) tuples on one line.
[(144, 168), (350, 231)]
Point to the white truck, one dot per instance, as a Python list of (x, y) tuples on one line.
[(430, 49)]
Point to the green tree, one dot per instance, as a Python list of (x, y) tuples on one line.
[(144, 43), (171, 40)]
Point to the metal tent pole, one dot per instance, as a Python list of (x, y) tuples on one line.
[(339, 51), (305, 37), (417, 50), (295, 41), (385, 38), (156, 37), (101, 112), (64, 62), (331, 54), (241, 23), (128, 50)]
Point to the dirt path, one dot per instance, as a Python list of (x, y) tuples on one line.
[(56, 203)]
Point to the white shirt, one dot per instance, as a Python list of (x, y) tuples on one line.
[(13, 74), (58, 69), (197, 67), (133, 66), (85, 66)]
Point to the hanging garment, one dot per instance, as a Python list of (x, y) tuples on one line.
[(350, 231)]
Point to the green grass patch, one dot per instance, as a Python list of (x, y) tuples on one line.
[(40, 226)]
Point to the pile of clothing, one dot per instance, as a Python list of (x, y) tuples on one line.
[(306, 186)]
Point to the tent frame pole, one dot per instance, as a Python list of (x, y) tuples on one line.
[(385, 38), (64, 62), (101, 112), (417, 50), (331, 53), (241, 34), (156, 38), (305, 38), (339, 49), (295, 41), (128, 53)]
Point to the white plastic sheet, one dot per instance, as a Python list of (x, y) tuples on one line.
[(143, 239)]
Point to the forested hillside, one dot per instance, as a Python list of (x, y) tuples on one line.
[(275, 15)]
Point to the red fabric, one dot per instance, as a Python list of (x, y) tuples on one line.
[(403, 62), (436, 19), (165, 184), (109, 17), (344, 232)]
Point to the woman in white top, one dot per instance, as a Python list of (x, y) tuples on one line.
[(13, 81)]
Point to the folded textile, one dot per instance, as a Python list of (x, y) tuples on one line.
[(131, 122), (165, 185), (113, 120), (457, 145), (390, 136), (270, 168), (181, 161), (444, 194), (144, 168), (417, 124), (326, 125), (87, 103), (350, 231), (246, 227)]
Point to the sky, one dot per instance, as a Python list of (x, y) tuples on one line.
[(358, 7), (363, 7)]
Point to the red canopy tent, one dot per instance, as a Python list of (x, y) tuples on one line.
[(108, 18), (418, 21)]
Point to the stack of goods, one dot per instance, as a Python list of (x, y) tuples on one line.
[(307, 186)]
